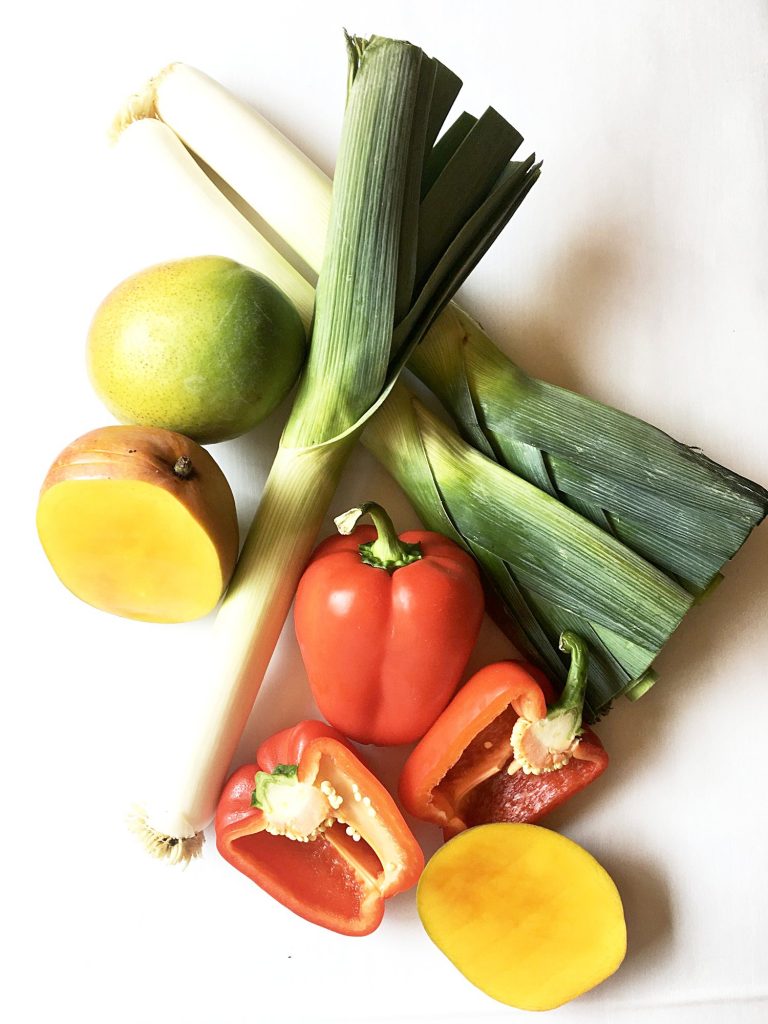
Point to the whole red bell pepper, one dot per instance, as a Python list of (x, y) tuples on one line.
[(386, 626), (313, 827), (499, 753)]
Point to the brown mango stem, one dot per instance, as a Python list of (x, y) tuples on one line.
[(183, 468)]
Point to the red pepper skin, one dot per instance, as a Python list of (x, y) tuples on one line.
[(384, 652), (528, 798), (452, 780), (331, 881), (288, 745)]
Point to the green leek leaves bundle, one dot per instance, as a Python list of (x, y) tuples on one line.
[(669, 503)]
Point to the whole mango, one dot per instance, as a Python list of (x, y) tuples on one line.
[(202, 346)]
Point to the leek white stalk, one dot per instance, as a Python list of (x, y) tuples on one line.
[(396, 102), (248, 152), (170, 209), (297, 493), (183, 213)]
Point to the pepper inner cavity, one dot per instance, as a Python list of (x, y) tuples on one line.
[(359, 831), (489, 752)]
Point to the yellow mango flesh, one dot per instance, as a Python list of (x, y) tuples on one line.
[(525, 914), (130, 548)]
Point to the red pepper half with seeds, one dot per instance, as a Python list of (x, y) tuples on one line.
[(313, 827), (504, 749), (386, 625)]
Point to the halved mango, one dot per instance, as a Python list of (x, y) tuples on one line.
[(140, 522), (525, 914)]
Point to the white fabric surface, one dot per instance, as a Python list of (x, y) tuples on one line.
[(636, 272)]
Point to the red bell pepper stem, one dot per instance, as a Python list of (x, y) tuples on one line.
[(387, 551)]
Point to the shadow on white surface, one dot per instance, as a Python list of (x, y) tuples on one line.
[(556, 335), (648, 911)]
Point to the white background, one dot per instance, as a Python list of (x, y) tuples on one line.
[(636, 272)]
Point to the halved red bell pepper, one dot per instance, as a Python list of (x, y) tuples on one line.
[(313, 827), (499, 753), (386, 626)]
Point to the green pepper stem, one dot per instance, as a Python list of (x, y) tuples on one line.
[(548, 743), (283, 775), (571, 700), (387, 551)]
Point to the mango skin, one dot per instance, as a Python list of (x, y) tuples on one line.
[(202, 346), (126, 533), (526, 915)]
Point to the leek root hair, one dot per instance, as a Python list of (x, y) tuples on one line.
[(139, 105), (173, 849)]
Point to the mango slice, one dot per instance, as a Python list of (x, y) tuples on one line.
[(525, 914), (140, 522)]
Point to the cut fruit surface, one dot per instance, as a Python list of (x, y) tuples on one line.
[(130, 530), (525, 914), (130, 548)]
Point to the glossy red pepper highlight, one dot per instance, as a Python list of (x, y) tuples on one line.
[(386, 626), (466, 772), (313, 827)]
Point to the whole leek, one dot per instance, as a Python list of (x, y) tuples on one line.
[(671, 505), (384, 278)]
